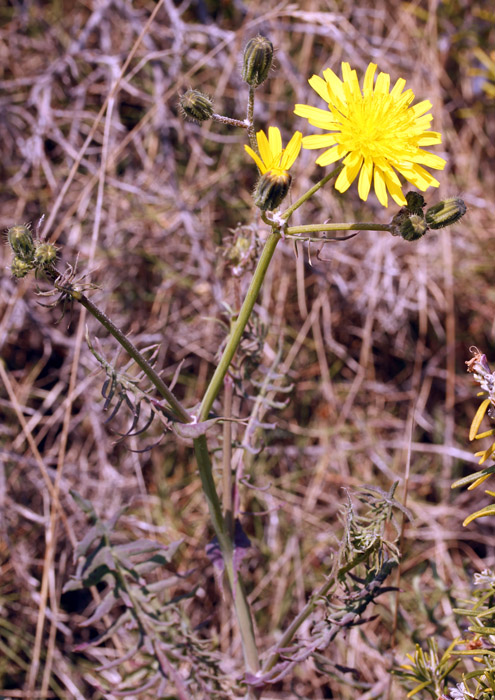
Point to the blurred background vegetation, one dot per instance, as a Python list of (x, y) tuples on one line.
[(373, 333)]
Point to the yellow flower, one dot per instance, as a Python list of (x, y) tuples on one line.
[(377, 133), (273, 156)]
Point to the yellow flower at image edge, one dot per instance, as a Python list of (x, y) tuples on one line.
[(376, 131)]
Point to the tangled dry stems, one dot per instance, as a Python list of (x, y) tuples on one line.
[(373, 334)]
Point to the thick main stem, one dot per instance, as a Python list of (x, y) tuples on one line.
[(238, 328), (227, 545), (222, 529)]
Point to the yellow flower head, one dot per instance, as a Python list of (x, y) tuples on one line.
[(273, 156), (376, 131)]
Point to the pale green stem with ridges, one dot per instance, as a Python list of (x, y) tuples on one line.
[(319, 228), (241, 604), (226, 544), (288, 212), (228, 511), (239, 325)]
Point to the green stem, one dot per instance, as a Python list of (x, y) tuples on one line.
[(228, 510), (221, 527), (238, 328), (226, 544), (352, 226), (244, 619), (209, 489), (249, 120), (288, 212), (179, 410)]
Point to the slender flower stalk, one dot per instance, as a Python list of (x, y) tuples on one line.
[(249, 118), (307, 195), (180, 412), (321, 228), (375, 131)]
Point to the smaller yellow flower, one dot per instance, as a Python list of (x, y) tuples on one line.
[(272, 155)]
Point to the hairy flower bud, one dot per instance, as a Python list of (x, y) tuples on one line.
[(415, 203), (257, 60), (19, 267), (196, 105), (45, 254), (271, 189), (445, 213), (413, 227), (21, 242)]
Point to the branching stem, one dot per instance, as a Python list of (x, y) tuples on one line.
[(177, 408)]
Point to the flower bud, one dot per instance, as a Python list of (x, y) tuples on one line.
[(45, 254), (196, 105), (271, 189), (445, 213), (257, 60), (415, 203), (19, 267), (21, 242), (413, 227)]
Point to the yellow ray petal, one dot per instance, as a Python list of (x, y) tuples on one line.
[(331, 156), (478, 482), (264, 148), (315, 114), (291, 151), (430, 138), (320, 86), (421, 108), (319, 141), (380, 187), (368, 79), (398, 87), (365, 177), (335, 87), (256, 159), (275, 144), (349, 173), (382, 84), (480, 414)]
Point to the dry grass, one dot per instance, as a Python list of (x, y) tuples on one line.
[(373, 336)]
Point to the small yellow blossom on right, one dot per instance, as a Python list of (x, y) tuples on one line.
[(375, 131)]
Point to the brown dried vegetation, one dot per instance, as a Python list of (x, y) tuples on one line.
[(373, 335)]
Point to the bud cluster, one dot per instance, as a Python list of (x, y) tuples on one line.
[(28, 254), (412, 223)]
